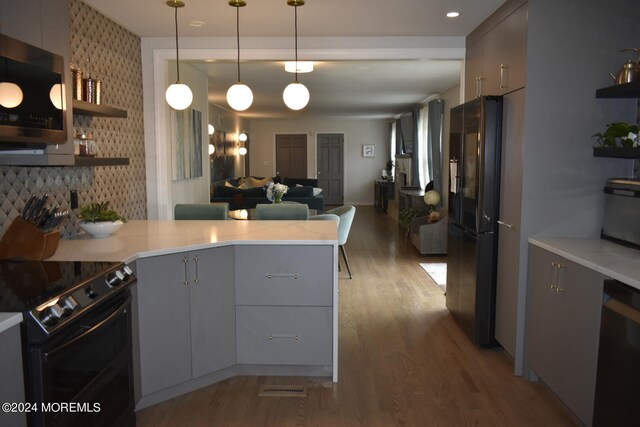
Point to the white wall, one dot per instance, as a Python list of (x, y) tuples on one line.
[(359, 172)]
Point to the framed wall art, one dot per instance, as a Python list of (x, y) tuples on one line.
[(368, 150)]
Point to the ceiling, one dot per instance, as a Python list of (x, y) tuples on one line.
[(345, 88)]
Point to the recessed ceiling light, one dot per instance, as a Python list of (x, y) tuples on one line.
[(196, 23), (453, 14), (303, 66)]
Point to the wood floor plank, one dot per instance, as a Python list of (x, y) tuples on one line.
[(403, 360)]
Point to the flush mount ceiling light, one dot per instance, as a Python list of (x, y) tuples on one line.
[(302, 66), (453, 14), (178, 95), (239, 96), (296, 95)]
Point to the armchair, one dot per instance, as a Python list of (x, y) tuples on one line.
[(429, 238)]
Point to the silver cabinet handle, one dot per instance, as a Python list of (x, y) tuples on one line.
[(555, 285), (506, 225), (196, 280), (275, 336), (502, 74), (271, 276), (185, 261)]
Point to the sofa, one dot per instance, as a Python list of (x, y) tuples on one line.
[(247, 192)]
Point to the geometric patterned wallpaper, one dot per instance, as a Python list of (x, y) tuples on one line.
[(112, 54)]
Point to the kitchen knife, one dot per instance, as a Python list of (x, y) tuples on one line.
[(27, 205)]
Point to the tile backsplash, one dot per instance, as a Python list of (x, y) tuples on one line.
[(112, 54)]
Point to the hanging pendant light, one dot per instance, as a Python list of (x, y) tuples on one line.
[(10, 93), (296, 95), (239, 96), (178, 95)]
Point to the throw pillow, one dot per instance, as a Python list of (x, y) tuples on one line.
[(257, 182), (228, 184), (316, 191)]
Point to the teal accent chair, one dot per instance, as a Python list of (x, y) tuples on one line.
[(211, 211), (346, 214), (325, 217), (282, 211)]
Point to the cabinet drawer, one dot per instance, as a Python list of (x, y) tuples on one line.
[(284, 275), (284, 335)]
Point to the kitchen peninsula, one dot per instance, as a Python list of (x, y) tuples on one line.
[(216, 299)]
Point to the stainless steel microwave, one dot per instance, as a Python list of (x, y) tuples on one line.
[(32, 102), (622, 211)]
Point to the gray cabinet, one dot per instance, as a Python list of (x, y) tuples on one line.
[(186, 316), (284, 298), (495, 62), (12, 384), (563, 327), (508, 283)]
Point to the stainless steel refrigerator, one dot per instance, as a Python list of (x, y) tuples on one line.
[(474, 193)]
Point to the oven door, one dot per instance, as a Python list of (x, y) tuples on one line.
[(84, 375)]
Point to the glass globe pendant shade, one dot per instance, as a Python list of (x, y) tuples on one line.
[(212, 149), (56, 95), (239, 97), (10, 95), (179, 96), (242, 151), (242, 137), (210, 129), (296, 96)]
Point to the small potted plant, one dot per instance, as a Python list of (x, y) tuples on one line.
[(619, 134), (100, 221)]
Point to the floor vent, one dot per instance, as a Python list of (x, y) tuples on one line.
[(282, 391)]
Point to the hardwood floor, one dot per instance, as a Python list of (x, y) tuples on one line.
[(403, 360)]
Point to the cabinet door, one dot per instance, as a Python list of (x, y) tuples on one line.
[(565, 307), (163, 318), (12, 384), (213, 318), (508, 278), (511, 61), (473, 70)]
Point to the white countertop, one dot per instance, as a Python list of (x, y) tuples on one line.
[(8, 320), (613, 260), (145, 238)]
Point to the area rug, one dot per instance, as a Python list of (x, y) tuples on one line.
[(437, 271)]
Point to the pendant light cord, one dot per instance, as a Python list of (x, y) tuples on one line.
[(238, 38), (296, 31), (177, 49)]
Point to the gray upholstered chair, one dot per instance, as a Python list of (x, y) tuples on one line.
[(213, 211), (325, 217), (346, 214), (282, 211), (429, 238)]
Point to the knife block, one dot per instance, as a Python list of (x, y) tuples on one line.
[(25, 241)]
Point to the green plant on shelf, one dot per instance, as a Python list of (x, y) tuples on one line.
[(99, 212), (618, 134)]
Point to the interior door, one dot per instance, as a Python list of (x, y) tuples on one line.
[(331, 167), (291, 155)]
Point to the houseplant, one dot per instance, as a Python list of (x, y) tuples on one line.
[(100, 221), (618, 134)]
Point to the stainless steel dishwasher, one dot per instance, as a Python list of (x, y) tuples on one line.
[(618, 378)]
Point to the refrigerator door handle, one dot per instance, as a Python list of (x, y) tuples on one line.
[(504, 224)]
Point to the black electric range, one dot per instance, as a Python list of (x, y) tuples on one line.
[(76, 339)]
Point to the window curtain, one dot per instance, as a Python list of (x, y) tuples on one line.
[(392, 150), (423, 159), (435, 121), (416, 152)]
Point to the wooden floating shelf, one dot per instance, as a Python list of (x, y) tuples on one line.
[(625, 90), (101, 161), (621, 153), (97, 110)]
